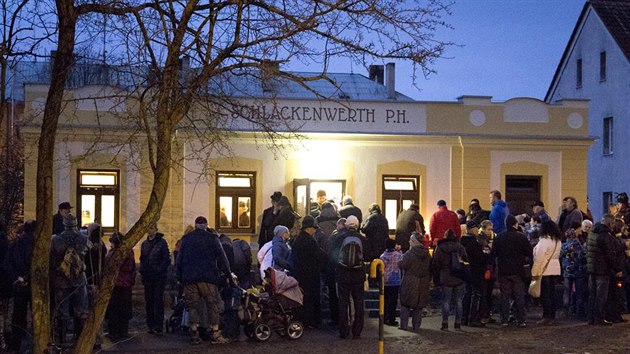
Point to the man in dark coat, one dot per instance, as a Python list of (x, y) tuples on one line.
[(474, 286), (600, 260), (570, 214), (348, 208), (154, 261), (407, 222), (199, 261), (539, 210), (512, 251), (286, 216), (309, 260), (268, 220), (376, 229), (64, 209)]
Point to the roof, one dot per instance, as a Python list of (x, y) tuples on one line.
[(239, 83), (615, 14)]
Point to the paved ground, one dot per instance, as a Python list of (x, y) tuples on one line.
[(568, 336)]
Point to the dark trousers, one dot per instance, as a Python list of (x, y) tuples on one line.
[(548, 296), (154, 303), (310, 312), (597, 296), (472, 301), (575, 301), (21, 300), (512, 288), (485, 306), (614, 306), (391, 302), (333, 300), (345, 291), (119, 311)]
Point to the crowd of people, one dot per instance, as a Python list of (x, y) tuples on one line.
[(466, 255)]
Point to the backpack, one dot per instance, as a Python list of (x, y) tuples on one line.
[(72, 264), (351, 255), (459, 268)]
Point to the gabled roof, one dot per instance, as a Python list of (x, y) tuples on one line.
[(615, 14)]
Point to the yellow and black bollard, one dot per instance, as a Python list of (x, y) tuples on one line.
[(381, 300)]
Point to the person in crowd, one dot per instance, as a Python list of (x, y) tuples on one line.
[(5, 287), (573, 262), (268, 220), (391, 257), (327, 220), (63, 210), (614, 303), (199, 263), (570, 213), (587, 226), (309, 259), (348, 208), (265, 258), (600, 258), (461, 214), (286, 216), (120, 308), (511, 249), (498, 213), (187, 230), (623, 208), (538, 209), (442, 220), (316, 206), (476, 212), (350, 277), (452, 285), (478, 260), (334, 243), (68, 251), (533, 231), (376, 230), (280, 250), (547, 267), (408, 221), (18, 267), (226, 244), (416, 280), (154, 261), (95, 266), (243, 214), (242, 262), (485, 238)]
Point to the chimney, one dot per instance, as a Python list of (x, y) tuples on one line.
[(377, 74), (391, 81)]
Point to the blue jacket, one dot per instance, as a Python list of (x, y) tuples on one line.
[(200, 258), (573, 257), (497, 216), (281, 252)]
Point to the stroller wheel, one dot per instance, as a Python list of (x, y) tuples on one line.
[(295, 329), (262, 332), (249, 331)]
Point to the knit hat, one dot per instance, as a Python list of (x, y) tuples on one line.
[(280, 230), (309, 221), (352, 222), (69, 221), (414, 239)]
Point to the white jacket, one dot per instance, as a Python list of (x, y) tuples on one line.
[(542, 252), (265, 258)]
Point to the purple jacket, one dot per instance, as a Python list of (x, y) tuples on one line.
[(127, 273)]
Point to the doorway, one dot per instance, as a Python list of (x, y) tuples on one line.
[(305, 192), (521, 192)]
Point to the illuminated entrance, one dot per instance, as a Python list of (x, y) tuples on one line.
[(98, 198), (399, 192), (305, 192)]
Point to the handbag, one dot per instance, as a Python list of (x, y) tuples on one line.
[(534, 286)]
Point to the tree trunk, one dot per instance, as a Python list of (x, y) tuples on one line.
[(40, 279)]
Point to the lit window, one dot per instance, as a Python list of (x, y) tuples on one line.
[(607, 136), (235, 201), (399, 192), (98, 198)]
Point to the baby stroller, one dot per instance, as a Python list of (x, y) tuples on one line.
[(272, 310), (178, 321)]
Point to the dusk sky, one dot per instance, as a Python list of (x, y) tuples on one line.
[(509, 48)]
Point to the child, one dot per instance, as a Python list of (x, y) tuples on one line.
[(120, 309), (573, 260), (391, 257)]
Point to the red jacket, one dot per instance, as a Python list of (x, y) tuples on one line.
[(441, 221)]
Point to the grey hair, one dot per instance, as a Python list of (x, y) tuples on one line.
[(346, 200)]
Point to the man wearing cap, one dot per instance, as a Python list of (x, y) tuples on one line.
[(68, 249), (441, 221), (199, 261), (539, 210), (474, 286), (64, 209), (309, 260), (268, 220), (623, 209)]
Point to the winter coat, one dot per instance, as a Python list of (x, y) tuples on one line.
[(542, 214), (242, 258), (476, 257), (286, 217), (265, 258), (391, 258), (200, 258), (441, 221), (569, 217), (479, 215), (414, 288), (376, 229), (619, 251), (573, 259), (512, 252), (624, 214), (309, 259), (497, 216), (60, 243), (280, 252), (600, 251), (127, 273), (266, 226), (405, 225), (19, 256), (154, 258), (228, 250), (327, 221), (441, 262), (351, 209), (547, 249), (343, 274), (95, 263), (57, 224)]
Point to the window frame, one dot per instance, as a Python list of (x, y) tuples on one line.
[(99, 191), (399, 195), (607, 136), (235, 193)]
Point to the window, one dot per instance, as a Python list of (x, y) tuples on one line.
[(399, 192), (235, 203), (607, 199), (578, 73), (305, 193), (98, 198), (607, 136), (602, 66)]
